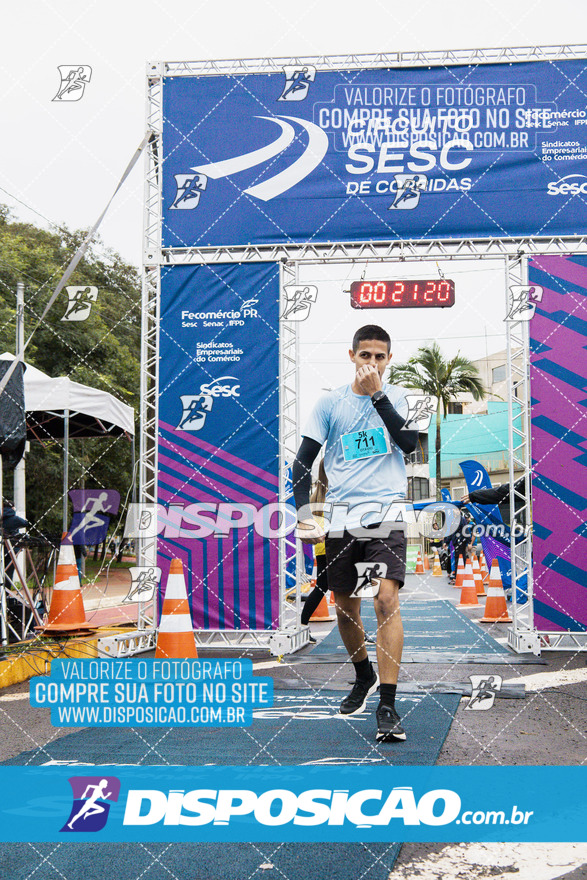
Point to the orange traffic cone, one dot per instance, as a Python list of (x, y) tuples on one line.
[(67, 611), (468, 592), (419, 563), (437, 570), (477, 578), (332, 600), (426, 562), (460, 573), (321, 612), (175, 637), (496, 609)]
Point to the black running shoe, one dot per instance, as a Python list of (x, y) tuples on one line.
[(356, 701), (389, 728)]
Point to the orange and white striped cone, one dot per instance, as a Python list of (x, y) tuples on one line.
[(496, 609), (66, 612), (460, 576), (437, 570), (321, 612), (426, 562), (419, 563), (468, 591), (175, 637), (477, 578), (332, 600)]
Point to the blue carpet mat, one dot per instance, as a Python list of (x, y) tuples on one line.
[(428, 626), (192, 861), (303, 727)]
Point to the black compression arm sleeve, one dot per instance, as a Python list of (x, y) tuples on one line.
[(496, 496), (490, 496), (301, 472), (406, 440)]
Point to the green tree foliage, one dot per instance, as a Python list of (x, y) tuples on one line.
[(429, 372), (103, 352)]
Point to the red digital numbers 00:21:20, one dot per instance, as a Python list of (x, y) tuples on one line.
[(407, 294)]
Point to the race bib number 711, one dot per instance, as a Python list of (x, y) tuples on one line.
[(365, 444)]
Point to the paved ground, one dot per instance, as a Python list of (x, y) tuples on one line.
[(547, 727)]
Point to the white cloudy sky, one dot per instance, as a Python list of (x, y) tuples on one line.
[(64, 159)]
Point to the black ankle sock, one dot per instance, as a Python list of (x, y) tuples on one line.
[(387, 694), (364, 669)]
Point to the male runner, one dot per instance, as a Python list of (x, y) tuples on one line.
[(361, 425)]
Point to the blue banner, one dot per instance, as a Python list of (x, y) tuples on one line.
[(352, 804), (490, 150), (218, 439)]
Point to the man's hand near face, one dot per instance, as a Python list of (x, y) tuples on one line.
[(369, 379)]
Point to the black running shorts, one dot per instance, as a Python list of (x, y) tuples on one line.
[(342, 554)]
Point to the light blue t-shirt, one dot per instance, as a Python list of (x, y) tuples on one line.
[(380, 478)]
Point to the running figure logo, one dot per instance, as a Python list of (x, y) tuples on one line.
[(484, 689), (298, 301), (74, 79), (195, 409), (91, 796), (408, 189), (145, 579), (189, 189), (420, 412), (522, 301), (81, 300), (369, 575), (141, 520), (92, 510), (297, 82)]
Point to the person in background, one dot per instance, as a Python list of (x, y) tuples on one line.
[(442, 546), (11, 526), (460, 541), (318, 496), (80, 554)]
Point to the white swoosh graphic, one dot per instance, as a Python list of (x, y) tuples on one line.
[(249, 160), (310, 159)]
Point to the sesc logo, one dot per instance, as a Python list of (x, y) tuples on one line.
[(571, 185), (195, 407), (217, 389)]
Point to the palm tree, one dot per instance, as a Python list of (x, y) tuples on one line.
[(429, 372)]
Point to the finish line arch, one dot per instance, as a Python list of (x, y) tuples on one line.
[(214, 223)]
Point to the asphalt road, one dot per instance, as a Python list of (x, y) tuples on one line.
[(548, 726)]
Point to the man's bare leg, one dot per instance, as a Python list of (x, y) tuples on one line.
[(390, 631), (390, 642), (348, 611), (350, 626)]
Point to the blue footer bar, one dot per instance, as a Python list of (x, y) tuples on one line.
[(335, 803)]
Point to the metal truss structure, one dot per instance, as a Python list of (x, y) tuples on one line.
[(147, 548), (383, 60), (518, 379), (378, 251), (290, 636)]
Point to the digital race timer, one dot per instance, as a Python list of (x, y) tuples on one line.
[(408, 294)]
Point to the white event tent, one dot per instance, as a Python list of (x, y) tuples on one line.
[(61, 408)]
